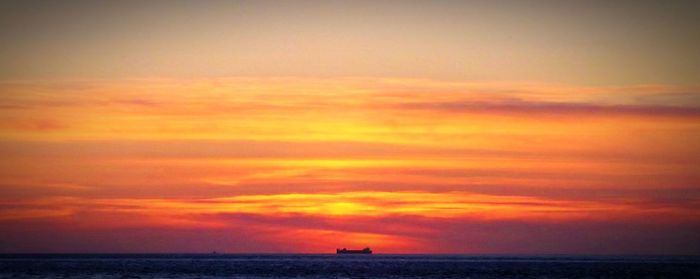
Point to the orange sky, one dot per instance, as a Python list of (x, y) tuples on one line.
[(311, 164), (510, 126)]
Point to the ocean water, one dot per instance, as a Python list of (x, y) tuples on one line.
[(341, 266)]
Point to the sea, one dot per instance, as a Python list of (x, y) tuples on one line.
[(343, 266)]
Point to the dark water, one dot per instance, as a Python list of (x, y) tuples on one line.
[(342, 266)]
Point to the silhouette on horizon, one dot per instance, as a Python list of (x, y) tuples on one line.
[(346, 251)]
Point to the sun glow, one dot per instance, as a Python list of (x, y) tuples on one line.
[(281, 158)]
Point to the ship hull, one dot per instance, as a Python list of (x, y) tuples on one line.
[(346, 251)]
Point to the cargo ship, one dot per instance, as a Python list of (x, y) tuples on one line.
[(346, 251)]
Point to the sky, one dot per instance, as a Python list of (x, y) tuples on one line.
[(476, 127)]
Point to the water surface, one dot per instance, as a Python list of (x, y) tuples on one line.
[(341, 266)]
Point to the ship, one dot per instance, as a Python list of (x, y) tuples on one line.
[(347, 251)]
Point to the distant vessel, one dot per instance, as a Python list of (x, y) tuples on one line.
[(346, 251)]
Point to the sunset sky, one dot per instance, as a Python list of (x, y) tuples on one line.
[(509, 127)]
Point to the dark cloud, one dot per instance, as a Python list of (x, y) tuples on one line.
[(253, 233), (576, 109)]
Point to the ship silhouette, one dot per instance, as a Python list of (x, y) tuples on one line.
[(347, 251)]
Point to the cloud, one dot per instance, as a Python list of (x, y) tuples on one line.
[(37, 125), (394, 162), (377, 204), (529, 108), (239, 232)]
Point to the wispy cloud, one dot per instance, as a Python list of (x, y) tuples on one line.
[(388, 221), (272, 159)]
